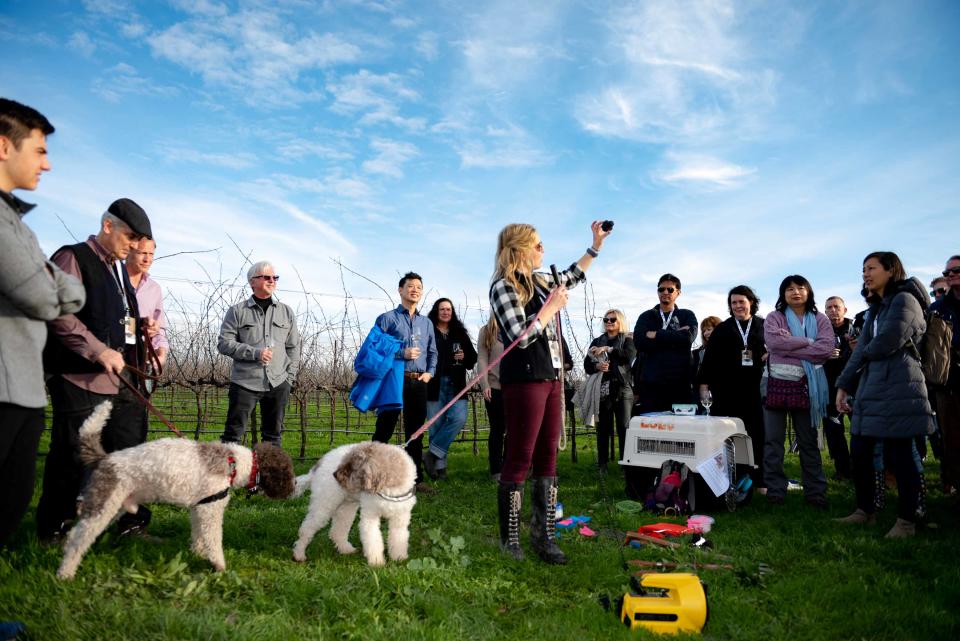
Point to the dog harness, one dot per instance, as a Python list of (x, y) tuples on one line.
[(253, 484), (403, 497)]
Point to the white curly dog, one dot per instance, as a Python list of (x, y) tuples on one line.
[(376, 478), (177, 471)]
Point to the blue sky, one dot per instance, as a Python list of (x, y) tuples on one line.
[(732, 142)]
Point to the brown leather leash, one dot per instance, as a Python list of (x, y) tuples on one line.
[(154, 361)]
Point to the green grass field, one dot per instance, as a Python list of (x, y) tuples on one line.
[(828, 582)]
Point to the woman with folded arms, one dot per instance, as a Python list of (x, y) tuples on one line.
[(799, 341)]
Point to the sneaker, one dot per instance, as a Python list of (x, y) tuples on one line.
[(442, 474), (859, 517), (902, 530)]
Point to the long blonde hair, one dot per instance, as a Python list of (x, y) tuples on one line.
[(513, 244), (489, 332)]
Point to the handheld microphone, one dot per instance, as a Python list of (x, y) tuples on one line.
[(556, 275)]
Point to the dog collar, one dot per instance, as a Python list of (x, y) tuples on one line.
[(403, 497), (253, 484)]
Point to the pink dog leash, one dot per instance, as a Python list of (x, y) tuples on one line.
[(475, 380)]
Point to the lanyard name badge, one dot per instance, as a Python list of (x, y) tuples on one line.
[(129, 322), (666, 319), (746, 356)]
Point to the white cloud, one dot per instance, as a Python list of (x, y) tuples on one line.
[(682, 72), (81, 42), (377, 97), (391, 156), (107, 7), (428, 45), (297, 148), (255, 52), (133, 30), (403, 22), (510, 42), (704, 170), (123, 79), (504, 146), (335, 184), (180, 154)]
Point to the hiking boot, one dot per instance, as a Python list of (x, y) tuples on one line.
[(859, 517), (543, 521), (509, 498), (902, 529)]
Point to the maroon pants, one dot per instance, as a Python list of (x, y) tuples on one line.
[(534, 420)]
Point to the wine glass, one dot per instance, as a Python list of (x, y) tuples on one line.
[(456, 348), (706, 399)]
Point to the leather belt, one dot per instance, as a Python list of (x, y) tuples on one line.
[(413, 376)]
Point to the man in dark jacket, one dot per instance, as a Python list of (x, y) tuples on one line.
[(86, 355), (948, 396), (32, 291), (663, 336), (833, 427)]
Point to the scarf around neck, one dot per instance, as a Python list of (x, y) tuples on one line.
[(816, 377)]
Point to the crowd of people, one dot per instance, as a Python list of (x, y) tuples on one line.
[(87, 325)]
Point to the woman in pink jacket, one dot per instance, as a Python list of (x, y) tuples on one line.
[(799, 340)]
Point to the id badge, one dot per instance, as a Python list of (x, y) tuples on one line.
[(746, 358), (130, 330), (555, 355)]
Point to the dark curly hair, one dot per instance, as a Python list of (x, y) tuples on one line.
[(457, 328), (276, 471)]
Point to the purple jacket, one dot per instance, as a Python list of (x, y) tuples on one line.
[(787, 349)]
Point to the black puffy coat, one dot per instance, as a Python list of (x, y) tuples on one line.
[(890, 399)]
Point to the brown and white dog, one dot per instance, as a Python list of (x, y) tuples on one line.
[(170, 470), (376, 478)]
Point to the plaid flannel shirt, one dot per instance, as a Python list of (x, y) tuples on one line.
[(513, 318)]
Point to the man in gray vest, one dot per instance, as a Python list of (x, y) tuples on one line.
[(32, 291), (86, 356), (260, 335)]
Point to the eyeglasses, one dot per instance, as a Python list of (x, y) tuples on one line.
[(952, 270), (610, 321), (268, 278), (669, 290), (939, 291)]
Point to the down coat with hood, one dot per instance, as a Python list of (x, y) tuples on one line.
[(890, 400)]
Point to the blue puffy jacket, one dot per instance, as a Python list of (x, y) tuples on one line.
[(379, 383)]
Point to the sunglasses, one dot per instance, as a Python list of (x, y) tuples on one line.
[(269, 279), (952, 270), (539, 247), (939, 291), (669, 290), (609, 321)]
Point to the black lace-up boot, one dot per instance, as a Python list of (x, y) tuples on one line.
[(509, 498), (544, 520)]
